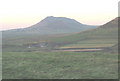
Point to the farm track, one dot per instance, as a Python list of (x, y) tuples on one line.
[(79, 49)]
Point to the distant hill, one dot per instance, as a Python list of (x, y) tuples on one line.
[(53, 25), (103, 36)]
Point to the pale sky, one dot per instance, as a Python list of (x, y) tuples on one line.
[(24, 13)]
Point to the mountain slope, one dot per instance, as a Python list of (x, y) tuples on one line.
[(103, 36), (60, 23), (54, 25)]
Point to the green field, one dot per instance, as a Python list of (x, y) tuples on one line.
[(59, 65)]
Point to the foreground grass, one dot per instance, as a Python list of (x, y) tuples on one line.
[(59, 65)]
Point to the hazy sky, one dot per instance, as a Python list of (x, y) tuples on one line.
[(24, 13)]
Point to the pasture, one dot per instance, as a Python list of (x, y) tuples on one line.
[(60, 65)]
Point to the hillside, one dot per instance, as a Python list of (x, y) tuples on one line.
[(41, 57), (52, 25), (101, 37), (45, 29)]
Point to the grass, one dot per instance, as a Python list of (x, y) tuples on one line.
[(20, 62), (59, 65)]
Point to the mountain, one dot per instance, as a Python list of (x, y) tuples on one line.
[(54, 25)]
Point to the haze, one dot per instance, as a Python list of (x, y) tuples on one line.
[(24, 13)]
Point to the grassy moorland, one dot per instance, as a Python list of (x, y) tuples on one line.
[(21, 62), (59, 65), (104, 36), (97, 38)]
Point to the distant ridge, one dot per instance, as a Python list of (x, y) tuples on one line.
[(54, 25)]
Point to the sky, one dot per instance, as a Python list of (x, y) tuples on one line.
[(24, 13)]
